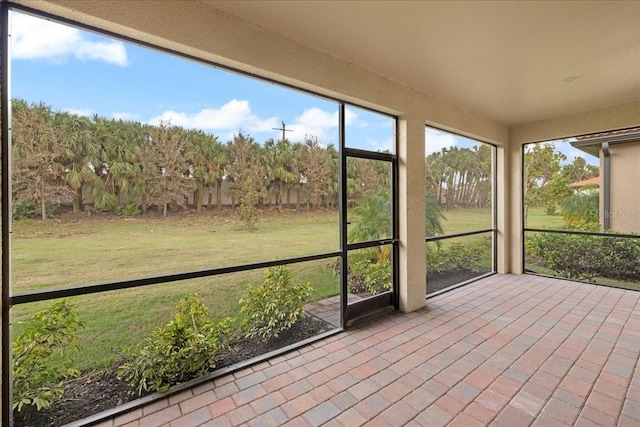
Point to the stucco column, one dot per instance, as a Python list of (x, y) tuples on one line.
[(510, 244), (503, 213), (411, 132)]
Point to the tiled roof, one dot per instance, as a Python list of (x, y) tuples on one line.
[(590, 181), (617, 132)]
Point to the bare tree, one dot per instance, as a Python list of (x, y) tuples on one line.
[(163, 168), (246, 176), (38, 152), (317, 172)]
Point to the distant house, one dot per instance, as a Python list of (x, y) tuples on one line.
[(619, 180), (587, 186)]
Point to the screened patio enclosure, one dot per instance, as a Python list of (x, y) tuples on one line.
[(545, 71)]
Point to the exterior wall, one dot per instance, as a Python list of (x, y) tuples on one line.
[(624, 189)]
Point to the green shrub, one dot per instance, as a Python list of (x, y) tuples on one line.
[(551, 210), (130, 209), (377, 276), (458, 256), (577, 256), (275, 305), (43, 356), (370, 271), (26, 209), (183, 349), (23, 209)]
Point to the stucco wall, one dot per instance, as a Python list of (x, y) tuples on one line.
[(624, 188)]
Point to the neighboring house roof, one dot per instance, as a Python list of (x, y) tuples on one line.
[(591, 181), (591, 143)]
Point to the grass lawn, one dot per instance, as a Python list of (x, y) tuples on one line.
[(78, 251), (58, 254), (537, 218)]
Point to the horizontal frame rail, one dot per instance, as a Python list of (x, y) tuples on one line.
[(370, 155), (156, 280), (372, 244), (466, 233), (585, 233)]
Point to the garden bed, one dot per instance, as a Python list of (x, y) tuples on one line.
[(100, 391), (442, 280)]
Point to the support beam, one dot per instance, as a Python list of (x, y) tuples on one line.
[(513, 255), (411, 154)]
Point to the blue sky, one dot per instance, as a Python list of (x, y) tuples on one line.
[(88, 74)]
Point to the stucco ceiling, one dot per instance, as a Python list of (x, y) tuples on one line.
[(504, 60)]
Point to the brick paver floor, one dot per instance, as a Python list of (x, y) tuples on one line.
[(507, 350)]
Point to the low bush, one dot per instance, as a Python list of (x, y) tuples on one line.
[(130, 209), (274, 306), (22, 209), (377, 276), (370, 271), (26, 209), (577, 256), (183, 349), (458, 256), (43, 355)]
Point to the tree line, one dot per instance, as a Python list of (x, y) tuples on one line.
[(59, 157), (460, 177)]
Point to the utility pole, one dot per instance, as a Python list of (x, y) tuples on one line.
[(283, 129)]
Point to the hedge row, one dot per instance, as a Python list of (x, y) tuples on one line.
[(578, 256)]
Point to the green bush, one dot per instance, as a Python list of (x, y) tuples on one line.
[(458, 256), (26, 209), (275, 305), (22, 209), (183, 349), (577, 256), (130, 209), (370, 271), (43, 356)]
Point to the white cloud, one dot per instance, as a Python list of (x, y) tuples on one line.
[(236, 115), (317, 122), (35, 38), (436, 140), (232, 116)]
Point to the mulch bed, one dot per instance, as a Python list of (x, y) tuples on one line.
[(99, 391), (438, 281)]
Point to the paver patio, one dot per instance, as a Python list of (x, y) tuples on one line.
[(507, 350)]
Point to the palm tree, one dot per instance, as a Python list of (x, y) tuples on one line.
[(334, 161), (119, 144), (373, 218), (279, 165), (80, 156)]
